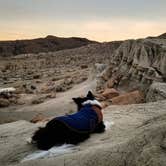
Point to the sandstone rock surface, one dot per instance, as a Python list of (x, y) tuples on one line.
[(135, 64), (134, 97), (136, 138), (110, 93)]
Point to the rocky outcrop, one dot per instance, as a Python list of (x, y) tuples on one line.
[(8, 96), (4, 102), (134, 97), (110, 93), (48, 44), (135, 64), (39, 118), (157, 91), (137, 137)]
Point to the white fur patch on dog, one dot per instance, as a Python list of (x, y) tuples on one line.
[(29, 140), (54, 151), (92, 102)]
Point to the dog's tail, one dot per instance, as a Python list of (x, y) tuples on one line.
[(38, 134), (43, 139)]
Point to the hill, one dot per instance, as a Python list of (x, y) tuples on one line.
[(48, 44)]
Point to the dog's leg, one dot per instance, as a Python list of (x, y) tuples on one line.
[(100, 128), (29, 140)]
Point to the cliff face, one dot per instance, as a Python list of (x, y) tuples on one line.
[(135, 65), (48, 44)]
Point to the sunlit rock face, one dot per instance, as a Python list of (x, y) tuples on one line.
[(135, 64)]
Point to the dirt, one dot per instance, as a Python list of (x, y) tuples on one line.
[(60, 105)]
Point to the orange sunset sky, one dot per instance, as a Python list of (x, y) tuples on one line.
[(98, 20)]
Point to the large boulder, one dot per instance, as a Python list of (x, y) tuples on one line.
[(135, 64), (157, 91), (110, 93), (39, 118), (134, 97), (4, 102), (8, 96)]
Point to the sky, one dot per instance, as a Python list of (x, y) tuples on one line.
[(100, 20)]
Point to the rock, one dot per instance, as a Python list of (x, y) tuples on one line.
[(51, 95), (7, 90), (39, 118), (8, 96), (100, 97), (105, 104), (84, 66), (157, 91), (4, 102), (38, 100), (13, 100), (48, 88), (135, 64), (38, 81), (65, 85), (37, 76), (110, 93), (134, 97), (16, 133), (136, 138), (28, 88), (33, 87), (98, 68)]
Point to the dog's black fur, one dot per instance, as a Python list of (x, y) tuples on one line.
[(57, 133)]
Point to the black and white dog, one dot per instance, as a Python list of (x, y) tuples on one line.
[(74, 128)]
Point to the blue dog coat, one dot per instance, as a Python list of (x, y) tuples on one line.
[(84, 121)]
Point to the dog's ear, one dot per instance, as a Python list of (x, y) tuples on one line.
[(74, 99), (77, 100), (90, 95)]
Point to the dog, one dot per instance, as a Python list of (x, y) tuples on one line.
[(73, 128)]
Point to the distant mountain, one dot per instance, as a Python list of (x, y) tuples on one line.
[(48, 44), (162, 36)]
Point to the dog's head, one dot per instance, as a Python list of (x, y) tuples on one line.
[(89, 99)]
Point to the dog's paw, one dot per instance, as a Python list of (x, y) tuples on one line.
[(30, 141)]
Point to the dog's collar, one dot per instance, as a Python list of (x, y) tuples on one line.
[(92, 102)]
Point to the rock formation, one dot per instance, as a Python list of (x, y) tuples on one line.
[(136, 138), (135, 64)]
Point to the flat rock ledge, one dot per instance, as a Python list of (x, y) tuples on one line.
[(136, 138)]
